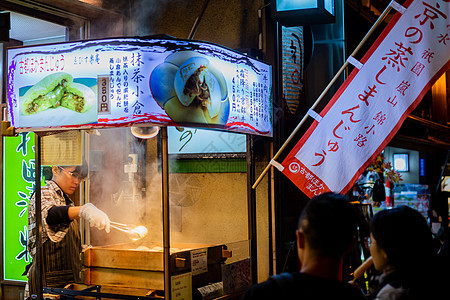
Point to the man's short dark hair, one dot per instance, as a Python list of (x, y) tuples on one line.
[(82, 170), (329, 223), (47, 172)]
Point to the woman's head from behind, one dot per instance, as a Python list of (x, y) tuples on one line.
[(401, 239)]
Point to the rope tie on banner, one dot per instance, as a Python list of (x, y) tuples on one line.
[(400, 8), (314, 115), (356, 63), (277, 165)]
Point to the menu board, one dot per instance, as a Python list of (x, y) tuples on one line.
[(120, 82)]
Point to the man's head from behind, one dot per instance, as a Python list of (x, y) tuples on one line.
[(328, 225)]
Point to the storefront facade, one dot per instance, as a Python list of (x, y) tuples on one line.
[(223, 214)]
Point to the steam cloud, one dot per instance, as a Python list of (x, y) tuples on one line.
[(144, 13)]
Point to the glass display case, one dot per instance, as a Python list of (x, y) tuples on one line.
[(416, 196), (209, 245)]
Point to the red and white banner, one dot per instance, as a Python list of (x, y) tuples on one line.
[(371, 105)]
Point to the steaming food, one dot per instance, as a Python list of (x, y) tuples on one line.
[(190, 89), (143, 248), (134, 233), (56, 90), (141, 231), (161, 249)]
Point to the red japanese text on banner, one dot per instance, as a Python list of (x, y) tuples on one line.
[(370, 106)]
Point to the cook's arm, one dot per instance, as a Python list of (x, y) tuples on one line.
[(64, 214), (57, 215), (74, 212)]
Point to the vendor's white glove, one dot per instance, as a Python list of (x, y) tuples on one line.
[(95, 217)]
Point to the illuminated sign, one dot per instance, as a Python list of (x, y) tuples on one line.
[(194, 140), (18, 186), (119, 82), (303, 12)]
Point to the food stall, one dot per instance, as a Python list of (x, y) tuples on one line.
[(81, 99)]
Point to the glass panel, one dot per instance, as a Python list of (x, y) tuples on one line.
[(329, 6), (285, 5), (32, 31), (208, 218), (124, 185), (208, 211), (208, 208)]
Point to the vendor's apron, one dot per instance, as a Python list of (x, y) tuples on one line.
[(62, 263)]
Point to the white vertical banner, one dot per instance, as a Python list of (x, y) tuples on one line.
[(371, 105)]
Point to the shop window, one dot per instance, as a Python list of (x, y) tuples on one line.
[(25, 31), (401, 162)]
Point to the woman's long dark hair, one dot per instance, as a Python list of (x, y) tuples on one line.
[(404, 235)]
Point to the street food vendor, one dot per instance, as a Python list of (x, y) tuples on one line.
[(61, 243)]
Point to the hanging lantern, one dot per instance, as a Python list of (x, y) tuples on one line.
[(303, 12)]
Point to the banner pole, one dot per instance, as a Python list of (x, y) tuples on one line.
[(297, 128)]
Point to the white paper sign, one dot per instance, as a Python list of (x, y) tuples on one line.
[(181, 286), (199, 261)]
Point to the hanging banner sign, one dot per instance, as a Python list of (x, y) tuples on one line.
[(369, 108), (119, 82)]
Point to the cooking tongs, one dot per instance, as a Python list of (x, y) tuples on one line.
[(122, 227), (135, 233)]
